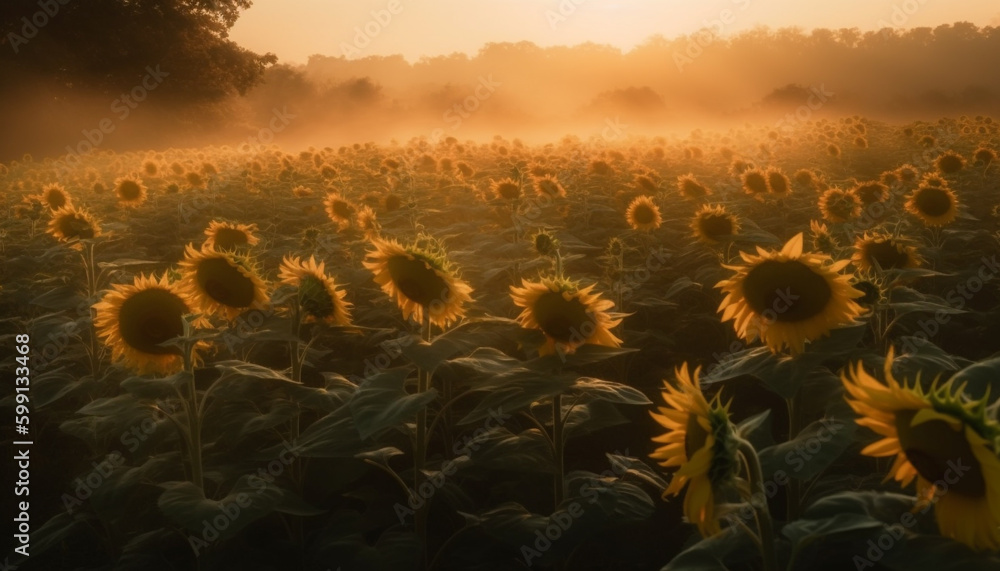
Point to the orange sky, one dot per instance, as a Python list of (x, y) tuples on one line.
[(296, 29)]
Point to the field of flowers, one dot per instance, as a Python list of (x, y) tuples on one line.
[(755, 349)]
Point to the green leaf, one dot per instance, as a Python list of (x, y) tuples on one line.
[(518, 393), (609, 391), (381, 402), (710, 553), (814, 449)]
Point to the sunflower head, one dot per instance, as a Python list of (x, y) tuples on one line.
[(222, 235), (941, 439), (700, 443), (949, 162), (130, 190), (221, 282), (545, 244), (339, 209), (713, 224), (643, 214), (420, 279), (873, 291), (72, 223), (754, 182), (933, 205), (367, 221), (871, 192), (135, 320), (838, 205), (884, 252), (506, 189), (985, 156), (568, 315), (689, 187), (777, 182), (318, 296), (549, 186), (822, 239), (55, 196), (788, 297)]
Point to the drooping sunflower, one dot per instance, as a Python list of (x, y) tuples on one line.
[(221, 282), (130, 190), (689, 187), (700, 442), (133, 320), (643, 214), (934, 205), (940, 439), (713, 224), (72, 223), (339, 209), (777, 181), (568, 315), (55, 197), (418, 280), (223, 235), (549, 186), (885, 251), (318, 295), (822, 238), (789, 297), (870, 192), (838, 205)]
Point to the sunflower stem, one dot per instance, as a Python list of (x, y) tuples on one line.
[(765, 526), (557, 447), (420, 446), (794, 488), (194, 420)]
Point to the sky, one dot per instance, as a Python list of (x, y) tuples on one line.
[(296, 29)]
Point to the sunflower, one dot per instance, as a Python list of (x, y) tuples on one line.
[(72, 223), (318, 297), (690, 188), (949, 162), (134, 320), (339, 209), (419, 280), (934, 205), (935, 435), (838, 205), (568, 315), (788, 298), (700, 442), (549, 186), (870, 192), (221, 283), (367, 221), (884, 251), (505, 189), (754, 182), (777, 182), (230, 235), (643, 214), (822, 238), (130, 191), (713, 224), (55, 197)]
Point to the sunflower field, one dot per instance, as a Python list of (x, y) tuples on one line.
[(741, 350)]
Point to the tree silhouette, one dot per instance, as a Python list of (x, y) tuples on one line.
[(105, 46)]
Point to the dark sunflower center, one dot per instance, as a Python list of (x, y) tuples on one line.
[(342, 209), (692, 188), (56, 199), (76, 227), (887, 253), (643, 214), (870, 193), (509, 191), (229, 238), (314, 297), (950, 163), (871, 291), (129, 190), (150, 317), (224, 282), (786, 292), (715, 225), (755, 183), (779, 184), (417, 280), (933, 201), (559, 318), (939, 453)]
